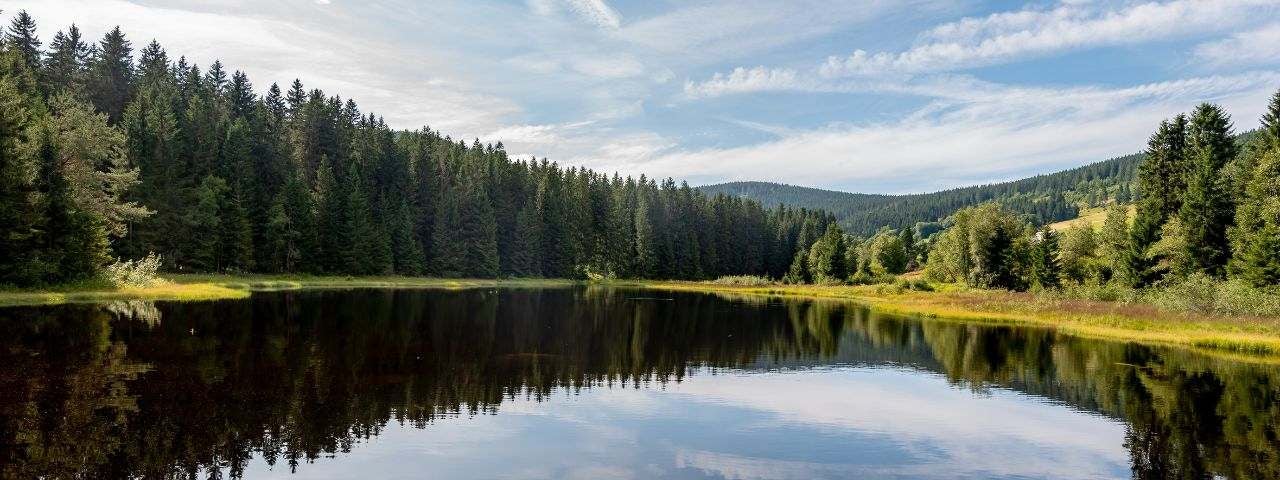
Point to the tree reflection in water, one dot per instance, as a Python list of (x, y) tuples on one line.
[(197, 389)]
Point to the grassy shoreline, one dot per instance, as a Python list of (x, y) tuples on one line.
[(1249, 336)]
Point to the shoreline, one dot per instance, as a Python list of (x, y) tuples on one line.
[(1247, 336)]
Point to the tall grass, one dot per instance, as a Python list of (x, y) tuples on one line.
[(1197, 293), (744, 281)]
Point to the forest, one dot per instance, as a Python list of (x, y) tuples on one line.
[(1044, 198), (1207, 208), (107, 159)]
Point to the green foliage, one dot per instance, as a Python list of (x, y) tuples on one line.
[(1045, 268), (1079, 253), (1256, 237), (827, 256), (987, 246), (887, 253), (139, 273), (743, 281), (1114, 247), (798, 273), (1207, 210)]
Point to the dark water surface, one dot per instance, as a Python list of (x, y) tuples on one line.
[(601, 383)]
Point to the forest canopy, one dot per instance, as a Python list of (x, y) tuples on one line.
[(112, 151)]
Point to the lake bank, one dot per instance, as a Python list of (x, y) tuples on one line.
[(230, 287), (1138, 322)]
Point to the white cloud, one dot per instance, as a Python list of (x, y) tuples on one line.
[(595, 11), (971, 131), (408, 88), (1008, 36), (1255, 47)]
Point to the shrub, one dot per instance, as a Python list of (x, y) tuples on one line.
[(864, 278), (134, 273), (743, 281)]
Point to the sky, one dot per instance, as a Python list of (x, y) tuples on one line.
[(892, 96)]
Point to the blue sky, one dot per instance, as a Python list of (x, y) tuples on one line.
[(872, 96)]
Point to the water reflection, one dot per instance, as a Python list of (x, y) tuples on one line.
[(683, 385)]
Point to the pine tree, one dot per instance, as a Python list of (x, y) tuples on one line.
[(203, 217), (111, 75), (19, 208), (22, 38), (1207, 211), (407, 253), (68, 61), (646, 238), (1270, 130), (1162, 183), (526, 258), (369, 246), (1256, 239), (826, 257), (1046, 268), (798, 273)]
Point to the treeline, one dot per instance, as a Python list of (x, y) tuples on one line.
[(105, 156), (1043, 198), (1206, 206)]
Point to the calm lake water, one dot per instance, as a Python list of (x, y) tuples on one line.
[(600, 383)]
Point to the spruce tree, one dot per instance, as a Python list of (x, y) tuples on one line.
[(67, 63), (111, 75), (798, 272), (1256, 238), (369, 247), (646, 238), (1207, 211), (1046, 268), (19, 209), (22, 38), (203, 218)]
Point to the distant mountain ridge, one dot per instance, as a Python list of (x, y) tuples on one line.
[(1044, 198)]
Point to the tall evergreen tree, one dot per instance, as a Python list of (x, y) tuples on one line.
[(1207, 211), (67, 63), (19, 209), (111, 75), (1046, 268), (22, 38)]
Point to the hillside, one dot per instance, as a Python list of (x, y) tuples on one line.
[(1044, 198)]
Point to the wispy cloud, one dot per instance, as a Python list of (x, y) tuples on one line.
[(597, 12), (973, 131), (1254, 47), (1009, 36)]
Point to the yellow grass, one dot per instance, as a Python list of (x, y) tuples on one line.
[(1093, 217), (218, 287)]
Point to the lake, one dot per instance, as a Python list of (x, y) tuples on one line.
[(598, 383)]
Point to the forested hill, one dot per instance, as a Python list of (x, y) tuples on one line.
[(108, 150), (1046, 198)]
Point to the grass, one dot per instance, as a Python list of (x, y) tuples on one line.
[(1093, 217), (220, 287), (95, 291)]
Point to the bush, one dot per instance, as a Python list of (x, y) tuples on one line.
[(134, 273), (743, 281), (919, 285), (1197, 293), (1201, 294), (863, 278)]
